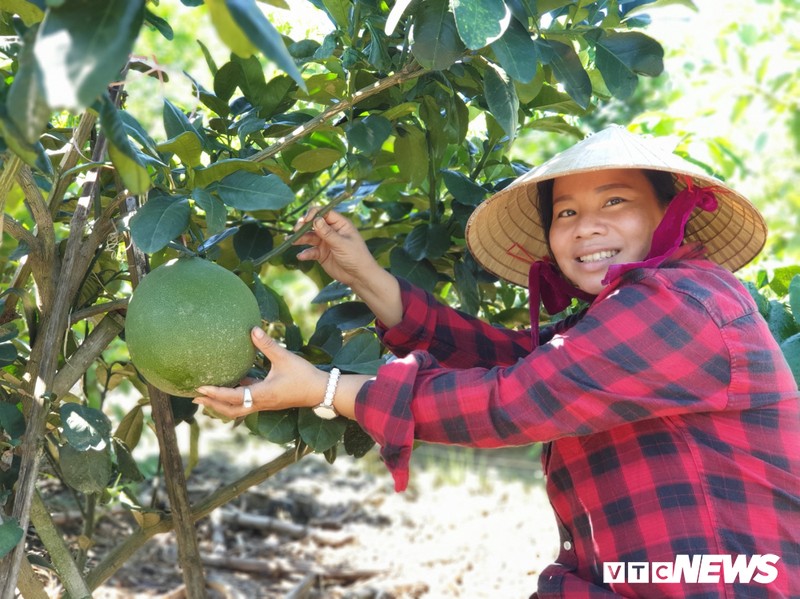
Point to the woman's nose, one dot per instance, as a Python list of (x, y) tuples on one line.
[(588, 224)]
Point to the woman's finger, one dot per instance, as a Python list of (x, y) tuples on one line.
[(231, 396)]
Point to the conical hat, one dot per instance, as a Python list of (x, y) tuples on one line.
[(505, 235)]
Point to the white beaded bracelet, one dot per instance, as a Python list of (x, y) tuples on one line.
[(330, 390)]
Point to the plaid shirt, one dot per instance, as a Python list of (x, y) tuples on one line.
[(670, 418)]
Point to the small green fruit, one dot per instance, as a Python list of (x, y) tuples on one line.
[(188, 324)]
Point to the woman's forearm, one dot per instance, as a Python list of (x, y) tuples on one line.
[(344, 400), (381, 292)]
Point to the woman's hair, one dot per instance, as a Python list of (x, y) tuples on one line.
[(662, 181)]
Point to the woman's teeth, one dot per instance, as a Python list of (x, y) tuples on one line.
[(598, 256)]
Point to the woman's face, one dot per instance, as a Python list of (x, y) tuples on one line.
[(599, 219)]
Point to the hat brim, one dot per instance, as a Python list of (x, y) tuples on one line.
[(505, 234)]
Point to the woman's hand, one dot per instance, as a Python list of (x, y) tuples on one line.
[(338, 247), (341, 251), (292, 382)]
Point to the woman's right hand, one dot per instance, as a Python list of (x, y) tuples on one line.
[(338, 247), (341, 251)]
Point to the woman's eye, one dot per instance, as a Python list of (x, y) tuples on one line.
[(564, 213), (615, 201)]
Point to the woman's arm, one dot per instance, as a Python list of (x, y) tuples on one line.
[(408, 318), (341, 251)]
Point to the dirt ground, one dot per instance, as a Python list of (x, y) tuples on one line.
[(473, 524)]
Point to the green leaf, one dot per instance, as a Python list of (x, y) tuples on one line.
[(216, 213), (126, 159), (421, 273), (268, 301), (216, 171), (480, 22), (357, 442), (427, 241), (555, 124), (315, 160), (761, 302), (501, 98), (411, 154), (517, 53), (158, 222), (794, 298), (369, 133), (159, 24), (567, 69), (780, 322), (320, 434), (187, 146), (176, 122), (332, 292), (361, 347), (339, 11), (11, 420), (27, 105), (10, 536), (552, 100), (328, 338), (126, 462), (347, 316), (462, 188), (467, 287), (264, 36), (82, 46), (782, 278), (437, 44), (86, 471), (130, 428), (227, 79), (32, 153), (278, 426), (25, 10), (8, 354), (85, 427), (620, 57), (252, 241), (791, 351), (247, 191)]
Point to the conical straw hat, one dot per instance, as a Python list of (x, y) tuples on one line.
[(505, 234)]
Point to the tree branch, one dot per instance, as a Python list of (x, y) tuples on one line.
[(89, 350), (14, 228), (79, 137), (411, 71), (11, 166), (43, 258), (67, 569), (116, 305), (188, 550), (118, 556)]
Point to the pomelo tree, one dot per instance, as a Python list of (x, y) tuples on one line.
[(404, 116)]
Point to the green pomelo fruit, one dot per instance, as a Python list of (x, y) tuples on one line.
[(188, 325)]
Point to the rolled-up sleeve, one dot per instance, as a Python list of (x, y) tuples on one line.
[(454, 338), (641, 352)]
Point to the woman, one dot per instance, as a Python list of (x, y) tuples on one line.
[(669, 417)]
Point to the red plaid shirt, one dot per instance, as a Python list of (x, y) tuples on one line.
[(670, 418)]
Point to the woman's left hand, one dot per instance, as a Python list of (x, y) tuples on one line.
[(292, 382)]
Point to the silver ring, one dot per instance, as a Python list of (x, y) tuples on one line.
[(247, 400)]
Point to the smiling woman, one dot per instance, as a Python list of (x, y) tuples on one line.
[(628, 396), (601, 218)]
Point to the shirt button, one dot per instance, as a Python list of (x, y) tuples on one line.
[(567, 546)]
